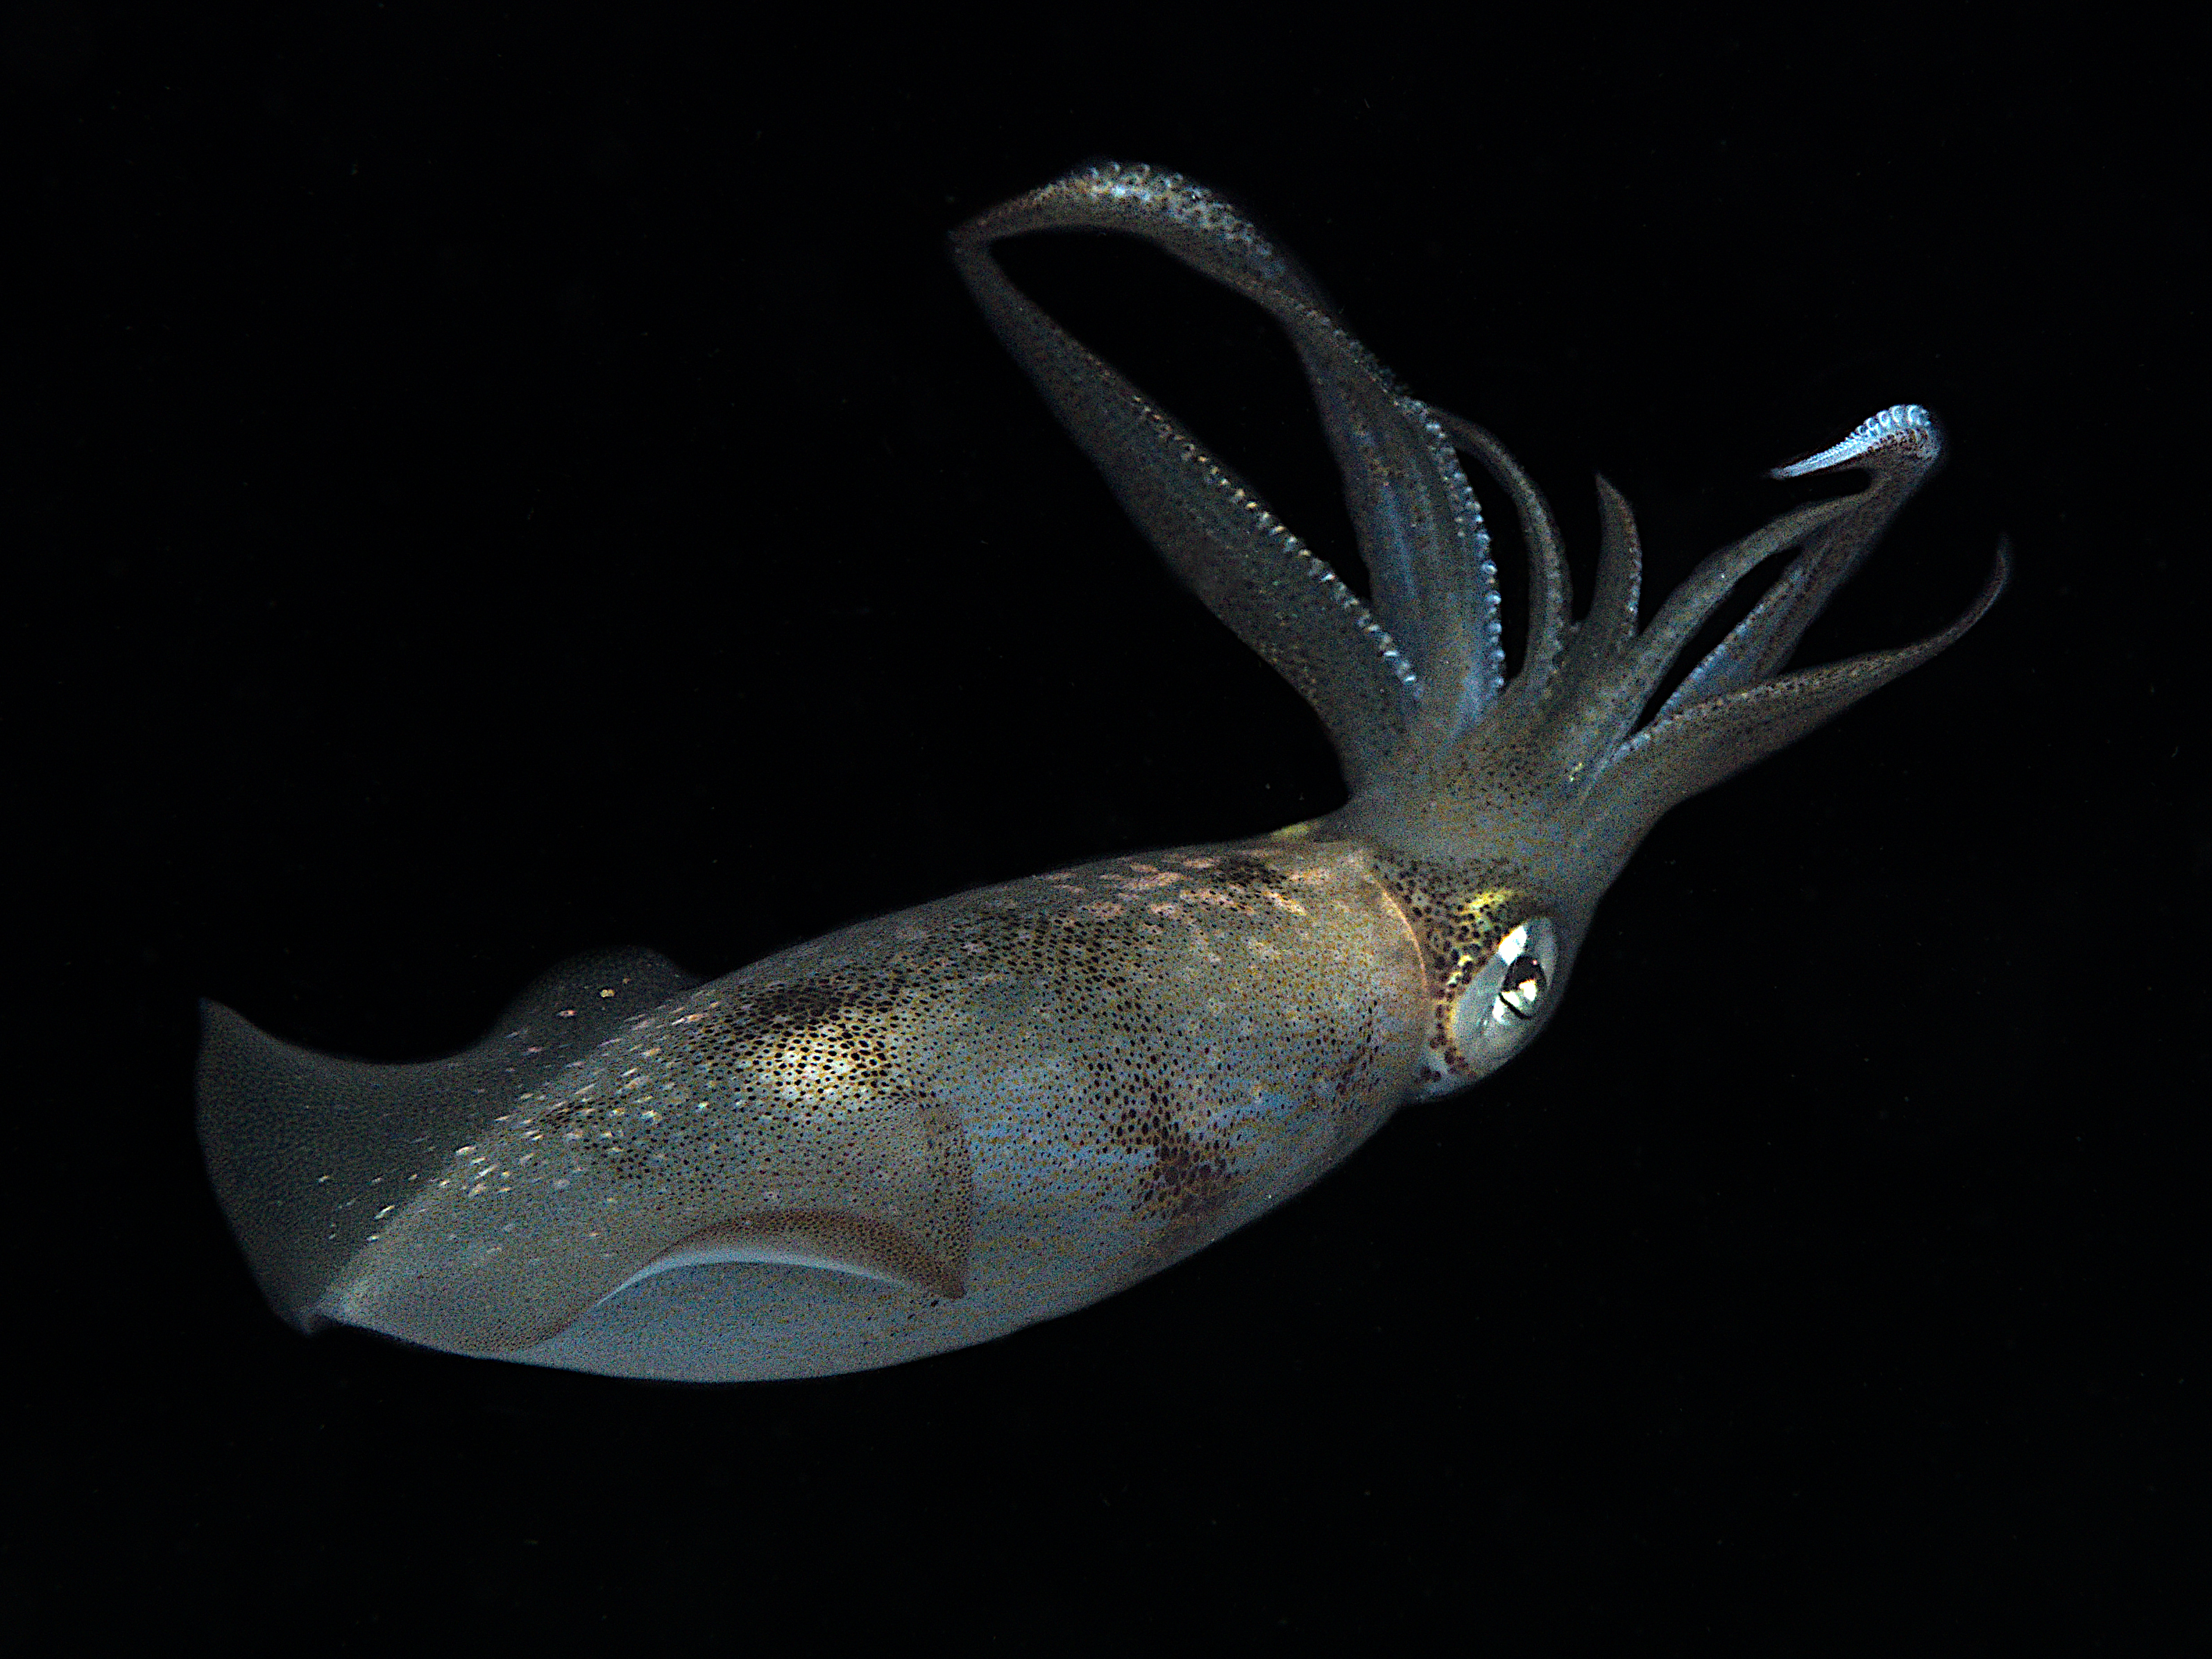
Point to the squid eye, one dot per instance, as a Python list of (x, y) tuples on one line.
[(1506, 1001)]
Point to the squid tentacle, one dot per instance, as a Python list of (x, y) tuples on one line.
[(1692, 749), (1283, 600), (1551, 589), (1901, 446), (1417, 524)]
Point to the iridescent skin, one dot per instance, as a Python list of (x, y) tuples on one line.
[(935, 1127)]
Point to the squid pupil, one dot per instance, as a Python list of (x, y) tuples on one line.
[(1523, 986)]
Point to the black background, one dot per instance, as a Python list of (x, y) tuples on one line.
[(488, 490)]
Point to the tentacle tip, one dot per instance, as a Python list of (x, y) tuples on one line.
[(1993, 587), (1906, 430), (2001, 571)]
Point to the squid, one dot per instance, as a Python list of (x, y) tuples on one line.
[(930, 1129)]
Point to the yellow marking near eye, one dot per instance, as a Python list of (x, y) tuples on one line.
[(1490, 902)]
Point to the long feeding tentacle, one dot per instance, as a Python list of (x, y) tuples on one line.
[(1900, 447)]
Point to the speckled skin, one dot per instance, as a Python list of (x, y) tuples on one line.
[(932, 1128), (1142, 1054)]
